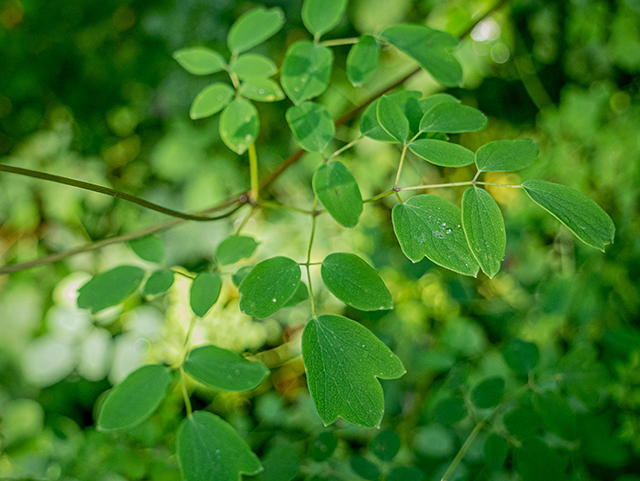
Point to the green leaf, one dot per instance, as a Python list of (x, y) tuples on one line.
[(134, 399), (449, 411), (556, 414), (200, 60), (240, 274), (209, 448), (224, 370), (268, 286), (484, 227), (392, 119), (577, 212), (312, 126), (436, 99), (522, 422), (385, 445), (339, 193), (148, 248), (488, 393), (261, 90), (495, 451), (427, 225), (301, 294), (205, 290), (239, 125), (253, 65), (323, 446), (521, 356), (235, 248), (506, 155), (362, 60), (409, 103), (430, 48), (536, 461), (109, 288), (281, 463), (306, 70), (253, 28), (320, 16), (159, 282), (404, 473), (343, 360), (355, 282), (211, 100), (365, 468), (442, 153), (452, 118)]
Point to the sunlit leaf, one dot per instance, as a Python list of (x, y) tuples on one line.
[(159, 282), (261, 89), (506, 155), (339, 193), (253, 65), (301, 295), (200, 60), (235, 248), (320, 16), (392, 119), (452, 118), (362, 60), (306, 71), (109, 288), (149, 248), (343, 360), (239, 125), (312, 126), (211, 100), (442, 153), (205, 290), (253, 28)]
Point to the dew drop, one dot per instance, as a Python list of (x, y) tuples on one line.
[(273, 300)]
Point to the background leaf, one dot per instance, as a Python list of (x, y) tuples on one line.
[(211, 100), (239, 125), (109, 288), (506, 155), (442, 153), (521, 356), (253, 28), (488, 393), (200, 60), (385, 445), (392, 119), (235, 248), (148, 248), (556, 414), (253, 65), (312, 126), (339, 193), (362, 60), (204, 292), (261, 90), (159, 282), (320, 16), (306, 71)]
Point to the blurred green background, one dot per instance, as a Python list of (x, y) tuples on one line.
[(89, 90)]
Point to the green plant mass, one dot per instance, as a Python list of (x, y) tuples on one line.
[(324, 240)]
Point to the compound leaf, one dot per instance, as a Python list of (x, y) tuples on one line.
[(253, 28), (253, 65), (205, 290), (312, 126), (320, 16), (200, 60), (239, 125), (109, 288), (306, 70), (362, 60), (261, 89), (339, 193), (442, 153), (211, 100), (506, 155), (392, 119)]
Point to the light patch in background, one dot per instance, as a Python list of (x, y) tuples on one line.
[(500, 53), (95, 355), (486, 31), (47, 360)]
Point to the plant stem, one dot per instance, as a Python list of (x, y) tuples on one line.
[(185, 392), (345, 147), (339, 41), (402, 156), (245, 220), (457, 184), (308, 263), (276, 205), (253, 166), (463, 450), (379, 196)]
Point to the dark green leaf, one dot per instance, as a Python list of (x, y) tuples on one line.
[(343, 360), (281, 463), (535, 461), (253, 65), (339, 193), (323, 446), (484, 227), (159, 282), (355, 282), (430, 48), (306, 71), (452, 118), (385, 445), (235, 248), (261, 89), (109, 288), (268, 286), (449, 411), (224, 370), (205, 290), (442, 153), (211, 100), (239, 125), (362, 60), (312, 126), (149, 248), (253, 28), (556, 414), (240, 274), (488, 393), (521, 356), (495, 451), (200, 60), (134, 399), (581, 215), (436, 99), (522, 422), (320, 16), (506, 155), (392, 119), (210, 449), (364, 468), (427, 225), (405, 473), (301, 294)]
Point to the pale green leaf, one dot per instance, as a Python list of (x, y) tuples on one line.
[(268, 286), (253, 28), (488, 393), (362, 60), (253, 65), (430, 48), (210, 449), (239, 125), (581, 215), (109, 288), (355, 282), (312, 126), (442, 153), (339, 193), (320, 16), (211, 100), (306, 71), (149, 248), (134, 399), (427, 225), (430, 102), (392, 119), (159, 282), (452, 118), (235, 248), (506, 155), (224, 370), (261, 89), (200, 60), (343, 360), (205, 290), (484, 227)]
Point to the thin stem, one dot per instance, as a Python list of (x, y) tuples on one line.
[(245, 220), (308, 263), (345, 147), (463, 450), (185, 392), (183, 274), (380, 196), (253, 166), (277, 205), (402, 156), (457, 184), (475, 177), (340, 41)]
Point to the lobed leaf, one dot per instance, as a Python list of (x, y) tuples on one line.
[(442, 153), (362, 60), (506, 155), (306, 71), (239, 125), (253, 28), (339, 193), (200, 60), (204, 292), (211, 100), (312, 126), (109, 288)]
